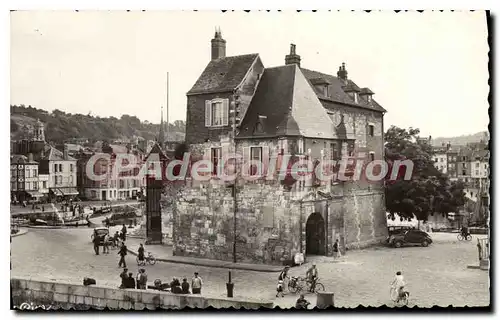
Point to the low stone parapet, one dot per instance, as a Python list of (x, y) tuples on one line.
[(63, 295)]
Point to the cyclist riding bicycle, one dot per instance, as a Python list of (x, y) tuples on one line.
[(398, 284), (464, 231), (312, 276)]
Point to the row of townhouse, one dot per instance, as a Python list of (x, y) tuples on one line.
[(469, 164), (40, 171)]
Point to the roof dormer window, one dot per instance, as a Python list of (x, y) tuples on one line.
[(367, 94), (321, 86)]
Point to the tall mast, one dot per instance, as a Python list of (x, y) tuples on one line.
[(168, 129), (161, 135)]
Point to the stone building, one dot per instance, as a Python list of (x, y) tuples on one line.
[(239, 106)]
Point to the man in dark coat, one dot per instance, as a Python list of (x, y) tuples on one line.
[(140, 253), (130, 281), (185, 286), (124, 277), (96, 242), (122, 252), (124, 232)]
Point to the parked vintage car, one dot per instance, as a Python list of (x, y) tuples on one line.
[(409, 237), (100, 232), (398, 229)]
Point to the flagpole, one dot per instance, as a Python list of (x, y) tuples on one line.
[(168, 129)]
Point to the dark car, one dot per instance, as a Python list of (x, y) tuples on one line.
[(410, 237), (398, 229), (101, 232)]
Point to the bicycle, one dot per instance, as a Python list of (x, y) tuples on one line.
[(147, 259), (318, 287), (461, 237), (399, 299), (293, 284)]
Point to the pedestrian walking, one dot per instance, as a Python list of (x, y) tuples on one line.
[(105, 244), (140, 253), (124, 232), (196, 284), (336, 249), (43, 208), (96, 241), (122, 252)]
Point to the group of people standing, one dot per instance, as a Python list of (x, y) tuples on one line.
[(183, 288), (129, 282), (140, 282)]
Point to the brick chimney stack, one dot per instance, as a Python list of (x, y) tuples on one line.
[(218, 46), (293, 57), (65, 152), (342, 73)]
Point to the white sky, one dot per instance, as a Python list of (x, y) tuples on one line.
[(429, 70)]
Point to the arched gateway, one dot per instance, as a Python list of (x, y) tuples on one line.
[(315, 234)]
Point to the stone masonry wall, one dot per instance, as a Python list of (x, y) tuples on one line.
[(267, 223), (63, 295), (204, 222)]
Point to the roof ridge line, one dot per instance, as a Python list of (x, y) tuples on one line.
[(290, 109)]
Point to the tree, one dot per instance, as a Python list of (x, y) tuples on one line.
[(428, 191), (13, 126)]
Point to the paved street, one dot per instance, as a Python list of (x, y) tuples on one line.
[(436, 275)]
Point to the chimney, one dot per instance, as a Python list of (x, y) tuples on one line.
[(65, 152), (30, 157), (218, 46), (293, 57), (342, 73)]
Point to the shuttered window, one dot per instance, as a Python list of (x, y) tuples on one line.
[(216, 157), (255, 156), (217, 113)]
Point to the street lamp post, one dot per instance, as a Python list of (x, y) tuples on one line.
[(235, 119)]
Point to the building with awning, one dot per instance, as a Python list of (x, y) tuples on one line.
[(64, 191), (35, 194)]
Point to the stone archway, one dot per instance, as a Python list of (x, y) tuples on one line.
[(315, 234)]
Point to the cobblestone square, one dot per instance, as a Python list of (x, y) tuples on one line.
[(436, 275)]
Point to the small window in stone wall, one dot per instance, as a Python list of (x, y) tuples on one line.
[(268, 217), (350, 148)]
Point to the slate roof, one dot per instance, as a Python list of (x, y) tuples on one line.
[(156, 149), (337, 94), (480, 154), (52, 154), (117, 148), (19, 158), (290, 107), (224, 74)]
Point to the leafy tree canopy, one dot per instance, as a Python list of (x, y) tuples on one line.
[(61, 126), (428, 191)]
